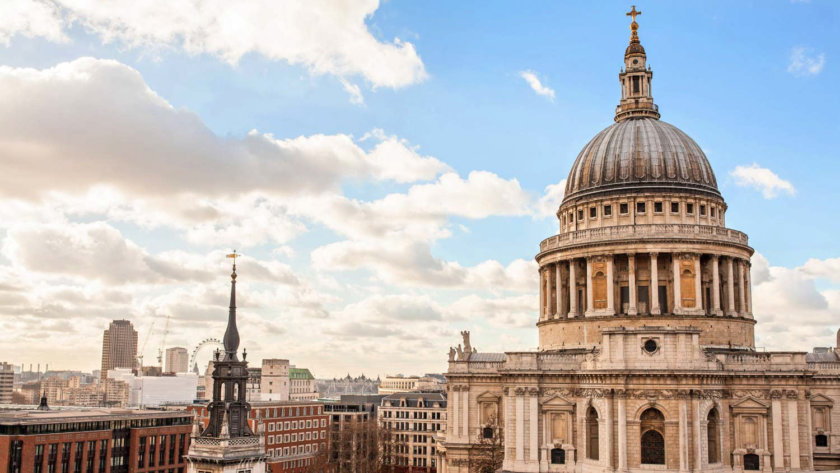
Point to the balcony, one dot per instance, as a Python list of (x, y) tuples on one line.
[(646, 232)]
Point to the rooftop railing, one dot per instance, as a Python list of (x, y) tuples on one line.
[(650, 231)]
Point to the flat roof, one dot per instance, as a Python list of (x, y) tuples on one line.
[(34, 416)]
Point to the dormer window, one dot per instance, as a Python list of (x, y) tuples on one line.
[(689, 208), (593, 212), (675, 207), (640, 207), (657, 207), (607, 210), (702, 210), (580, 215), (623, 209)]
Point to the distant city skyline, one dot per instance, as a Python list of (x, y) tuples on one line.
[(388, 178)]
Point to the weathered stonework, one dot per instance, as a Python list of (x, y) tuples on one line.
[(647, 356)]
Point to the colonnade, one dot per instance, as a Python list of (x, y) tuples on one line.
[(686, 283)]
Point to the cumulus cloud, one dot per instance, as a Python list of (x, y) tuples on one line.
[(536, 85), (804, 62), (552, 197), (99, 252), (762, 179), (781, 295), (94, 121), (324, 36)]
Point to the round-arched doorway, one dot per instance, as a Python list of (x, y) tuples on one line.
[(652, 441)]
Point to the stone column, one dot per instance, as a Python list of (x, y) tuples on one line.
[(520, 424), (622, 433), (558, 288), (793, 426), (742, 304), (631, 268), (683, 435), (610, 285), (456, 429), (778, 449), (730, 288), (698, 284), (573, 303), (542, 294), (465, 411), (675, 265), (532, 414), (589, 299), (716, 285), (654, 285), (547, 311), (698, 439), (608, 419), (748, 287)]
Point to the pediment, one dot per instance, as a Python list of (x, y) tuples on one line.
[(557, 401), (487, 396), (821, 400), (750, 403)]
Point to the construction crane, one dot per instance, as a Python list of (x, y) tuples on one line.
[(163, 342), (143, 348)]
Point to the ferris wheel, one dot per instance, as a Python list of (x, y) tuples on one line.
[(203, 353)]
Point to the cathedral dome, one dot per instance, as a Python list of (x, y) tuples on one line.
[(640, 153)]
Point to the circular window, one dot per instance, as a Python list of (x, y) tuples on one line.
[(635, 61), (651, 346)]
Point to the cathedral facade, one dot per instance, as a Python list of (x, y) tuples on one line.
[(647, 357)]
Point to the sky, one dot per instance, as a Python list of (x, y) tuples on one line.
[(387, 169)]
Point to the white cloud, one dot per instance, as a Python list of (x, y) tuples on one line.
[(30, 19), (537, 86), (326, 37), (354, 91), (803, 62), (762, 179), (781, 295), (552, 198)]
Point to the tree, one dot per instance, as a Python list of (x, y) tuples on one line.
[(488, 454)]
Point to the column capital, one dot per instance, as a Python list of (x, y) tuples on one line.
[(654, 254)]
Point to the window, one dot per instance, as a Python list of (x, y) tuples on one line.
[(712, 435), (751, 462), (651, 346), (571, 217), (712, 210), (580, 215), (702, 210), (821, 440), (558, 456), (657, 207), (592, 434), (689, 208), (640, 207), (607, 210), (15, 456), (652, 424), (623, 209), (487, 432), (675, 207), (593, 212)]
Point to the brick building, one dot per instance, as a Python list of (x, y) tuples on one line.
[(295, 432), (93, 441), (119, 347)]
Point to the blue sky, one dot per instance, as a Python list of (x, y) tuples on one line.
[(753, 83)]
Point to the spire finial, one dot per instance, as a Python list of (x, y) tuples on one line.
[(231, 340), (634, 27)]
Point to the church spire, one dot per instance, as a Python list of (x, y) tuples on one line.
[(231, 339), (635, 79)]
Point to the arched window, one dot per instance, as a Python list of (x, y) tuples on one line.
[(558, 456), (599, 290), (652, 439), (712, 436), (751, 462), (592, 434)]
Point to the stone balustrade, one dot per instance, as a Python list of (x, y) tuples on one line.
[(631, 232), (753, 361)]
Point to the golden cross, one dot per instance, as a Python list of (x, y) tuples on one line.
[(234, 255), (633, 13)]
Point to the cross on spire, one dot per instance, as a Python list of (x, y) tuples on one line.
[(633, 13)]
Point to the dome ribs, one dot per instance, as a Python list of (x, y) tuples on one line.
[(640, 152)]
